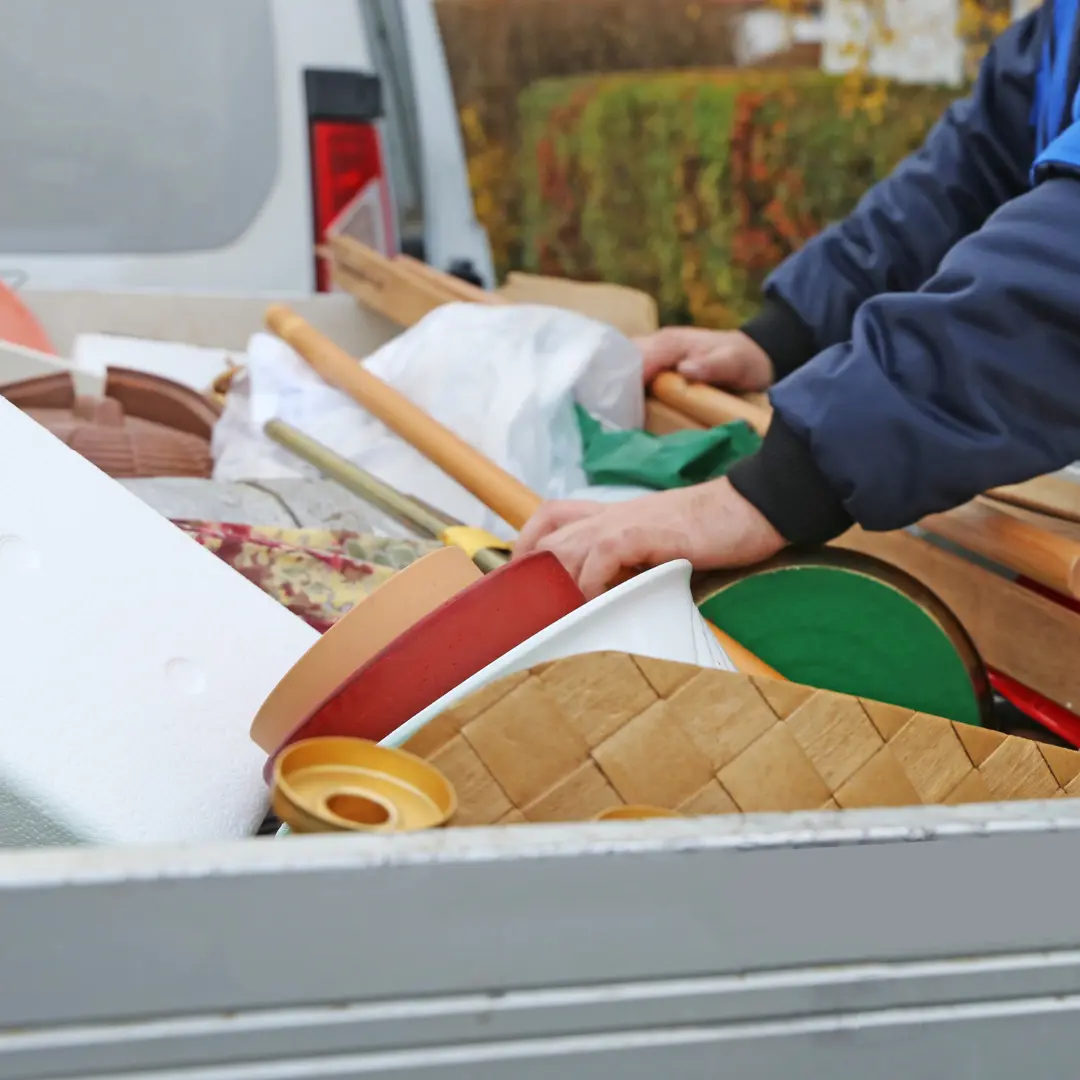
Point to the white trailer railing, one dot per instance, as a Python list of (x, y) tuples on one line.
[(886, 944)]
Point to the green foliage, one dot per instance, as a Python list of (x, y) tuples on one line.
[(693, 185)]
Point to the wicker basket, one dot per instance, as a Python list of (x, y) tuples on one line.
[(568, 740)]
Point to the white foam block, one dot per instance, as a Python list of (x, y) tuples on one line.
[(18, 363), (191, 365), (131, 662)]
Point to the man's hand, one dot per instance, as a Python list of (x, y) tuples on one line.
[(711, 524), (725, 358)]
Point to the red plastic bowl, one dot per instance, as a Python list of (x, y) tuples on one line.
[(442, 650)]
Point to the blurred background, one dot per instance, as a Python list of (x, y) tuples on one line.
[(686, 148)]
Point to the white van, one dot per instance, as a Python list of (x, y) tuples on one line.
[(210, 144)]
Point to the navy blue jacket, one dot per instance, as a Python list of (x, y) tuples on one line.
[(928, 346)]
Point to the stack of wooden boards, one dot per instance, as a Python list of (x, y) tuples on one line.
[(1031, 530)]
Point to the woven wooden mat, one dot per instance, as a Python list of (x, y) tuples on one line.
[(567, 740)]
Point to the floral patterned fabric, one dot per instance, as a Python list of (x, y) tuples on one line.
[(318, 574)]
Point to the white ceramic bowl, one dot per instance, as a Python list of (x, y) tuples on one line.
[(651, 615)]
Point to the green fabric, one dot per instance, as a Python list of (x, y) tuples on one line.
[(662, 462), (844, 631)]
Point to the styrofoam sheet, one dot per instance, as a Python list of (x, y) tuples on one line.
[(18, 363), (133, 661), (190, 365)]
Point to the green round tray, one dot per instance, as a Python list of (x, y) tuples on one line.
[(853, 624)]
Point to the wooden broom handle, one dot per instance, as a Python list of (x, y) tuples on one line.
[(1050, 495), (494, 487), (743, 659)]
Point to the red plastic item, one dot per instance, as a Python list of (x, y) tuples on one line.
[(19, 326), (470, 631), (1052, 716), (346, 160)]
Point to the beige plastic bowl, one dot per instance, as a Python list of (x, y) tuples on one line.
[(352, 785), (373, 624)]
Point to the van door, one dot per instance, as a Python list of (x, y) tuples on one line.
[(210, 144), (424, 139), (164, 143)]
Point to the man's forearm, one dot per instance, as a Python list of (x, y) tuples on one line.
[(975, 160), (969, 383)]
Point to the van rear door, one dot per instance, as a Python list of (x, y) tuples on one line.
[(164, 143), (209, 145)]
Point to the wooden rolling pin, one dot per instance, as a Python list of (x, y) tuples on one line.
[(706, 404), (494, 487), (1016, 540)]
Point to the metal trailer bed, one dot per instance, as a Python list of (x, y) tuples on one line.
[(936, 943), (916, 943)]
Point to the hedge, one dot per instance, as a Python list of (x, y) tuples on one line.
[(694, 185), (498, 48)]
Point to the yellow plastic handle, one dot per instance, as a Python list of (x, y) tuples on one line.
[(472, 540)]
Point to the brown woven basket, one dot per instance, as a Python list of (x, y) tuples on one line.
[(568, 740), (144, 426)]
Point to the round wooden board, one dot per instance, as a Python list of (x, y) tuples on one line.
[(853, 624)]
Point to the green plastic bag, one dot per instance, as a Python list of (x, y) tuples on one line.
[(662, 462)]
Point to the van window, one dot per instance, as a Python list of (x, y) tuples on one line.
[(134, 126)]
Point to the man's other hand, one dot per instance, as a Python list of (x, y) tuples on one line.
[(724, 358)]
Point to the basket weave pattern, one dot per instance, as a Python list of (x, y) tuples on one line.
[(570, 739)]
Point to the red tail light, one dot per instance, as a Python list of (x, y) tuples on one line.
[(350, 189)]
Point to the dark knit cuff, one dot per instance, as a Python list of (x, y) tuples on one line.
[(781, 333), (784, 483)]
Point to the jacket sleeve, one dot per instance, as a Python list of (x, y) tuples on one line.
[(970, 382), (974, 160)]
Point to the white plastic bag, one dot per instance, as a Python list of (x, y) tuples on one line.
[(505, 379)]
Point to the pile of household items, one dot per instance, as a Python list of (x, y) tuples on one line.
[(347, 641)]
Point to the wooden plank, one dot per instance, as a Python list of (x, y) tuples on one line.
[(1016, 631), (661, 419), (1051, 495), (1057, 525), (454, 288), (378, 283), (1021, 544)]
